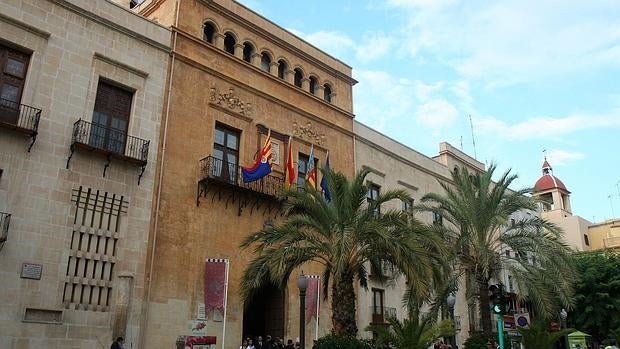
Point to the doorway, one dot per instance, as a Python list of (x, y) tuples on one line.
[(264, 315)]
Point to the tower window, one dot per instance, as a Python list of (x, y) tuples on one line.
[(265, 62), (248, 52), (208, 32), (298, 77), (282, 67), (327, 93), (313, 83)]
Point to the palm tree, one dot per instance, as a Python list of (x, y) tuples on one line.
[(419, 331), (486, 219), (343, 236), (537, 336)]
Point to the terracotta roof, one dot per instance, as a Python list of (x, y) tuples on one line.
[(549, 181), (546, 164)]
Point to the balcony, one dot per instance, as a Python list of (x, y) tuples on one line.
[(223, 180), (381, 315), (110, 142), (5, 219), (20, 118)]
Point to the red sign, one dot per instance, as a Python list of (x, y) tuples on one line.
[(509, 322)]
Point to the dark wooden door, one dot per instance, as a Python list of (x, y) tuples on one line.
[(110, 118), (13, 65)]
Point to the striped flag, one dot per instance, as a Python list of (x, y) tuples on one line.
[(290, 175), (262, 166), (326, 193), (311, 174)]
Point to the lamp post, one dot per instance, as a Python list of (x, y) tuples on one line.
[(563, 316), (450, 301), (302, 284)]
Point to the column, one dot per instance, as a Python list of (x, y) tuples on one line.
[(239, 50), (122, 307)]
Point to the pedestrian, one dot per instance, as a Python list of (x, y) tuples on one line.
[(244, 344), (118, 343)]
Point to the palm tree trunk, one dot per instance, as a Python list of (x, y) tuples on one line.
[(343, 306), (485, 311)]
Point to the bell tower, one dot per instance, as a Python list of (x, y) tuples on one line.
[(553, 192)]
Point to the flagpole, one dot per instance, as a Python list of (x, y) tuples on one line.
[(318, 299), (225, 303)]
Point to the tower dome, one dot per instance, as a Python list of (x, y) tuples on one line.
[(548, 181)]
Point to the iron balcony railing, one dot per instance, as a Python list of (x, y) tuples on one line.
[(5, 219), (380, 315), (225, 172), (110, 141), (19, 115)]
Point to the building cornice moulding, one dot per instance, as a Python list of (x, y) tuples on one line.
[(25, 26)]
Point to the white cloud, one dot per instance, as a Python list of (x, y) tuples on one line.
[(335, 43), (512, 41), (373, 47), (436, 113), (559, 157), (546, 127)]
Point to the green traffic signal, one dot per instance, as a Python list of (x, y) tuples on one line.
[(497, 309)]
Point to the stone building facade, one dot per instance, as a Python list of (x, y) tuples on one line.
[(235, 77), (393, 165), (81, 90)]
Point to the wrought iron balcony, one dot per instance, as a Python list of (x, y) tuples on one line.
[(5, 219), (380, 315), (222, 174), (21, 118), (110, 142)]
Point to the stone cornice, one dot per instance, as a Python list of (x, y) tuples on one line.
[(112, 25), (10, 20), (138, 72), (278, 41)]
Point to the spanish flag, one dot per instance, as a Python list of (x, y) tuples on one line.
[(311, 174), (290, 175), (262, 166)]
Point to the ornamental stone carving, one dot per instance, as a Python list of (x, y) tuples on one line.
[(229, 100), (308, 133)]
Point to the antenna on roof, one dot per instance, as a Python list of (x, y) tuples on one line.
[(473, 138), (461, 143)]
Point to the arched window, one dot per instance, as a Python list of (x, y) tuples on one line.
[(313, 83), (229, 43), (282, 67), (298, 76), (327, 93), (265, 62), (208, 32), (248, 52)]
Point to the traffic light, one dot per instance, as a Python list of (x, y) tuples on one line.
[(499, 299)]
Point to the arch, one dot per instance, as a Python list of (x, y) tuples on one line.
[(230, 40), (248, 51), (327, 92), (282, 68), (298, 76), (265, 61), (313, 82), (209, 29)]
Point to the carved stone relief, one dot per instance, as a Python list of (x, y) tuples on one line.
[(229, 100), (308, 132)]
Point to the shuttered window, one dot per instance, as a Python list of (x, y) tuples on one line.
[(13, 67), (111, 117)]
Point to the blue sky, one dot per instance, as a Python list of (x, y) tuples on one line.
[(533, 75)]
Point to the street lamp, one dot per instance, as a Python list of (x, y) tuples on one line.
[(451, 301), (563, 316), (302, 284)]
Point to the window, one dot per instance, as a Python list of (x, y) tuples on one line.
[(373, 195), (407, 205), (13, 65), (229, 43), (298, 77), (508, 253), (313, 83), (110, 118), (248, 52), (586, 239), (377, 305), (265, 62), (302, 169), (225, 153), (282, 67), (437, 218), (208, 32), (327, 93), (511, 288)]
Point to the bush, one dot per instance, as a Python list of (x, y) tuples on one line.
[(341, 342), (479, 340)]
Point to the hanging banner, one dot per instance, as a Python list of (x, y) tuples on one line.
[(312, 297), (215, 285)]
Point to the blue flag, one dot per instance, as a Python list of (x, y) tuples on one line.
[(262, 166), (326, 193)]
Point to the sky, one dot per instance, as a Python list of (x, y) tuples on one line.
[(537, 78)]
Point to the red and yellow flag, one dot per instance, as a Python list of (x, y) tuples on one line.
[(290, 175)]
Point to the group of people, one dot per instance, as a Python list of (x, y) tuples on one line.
[(268, 343)]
